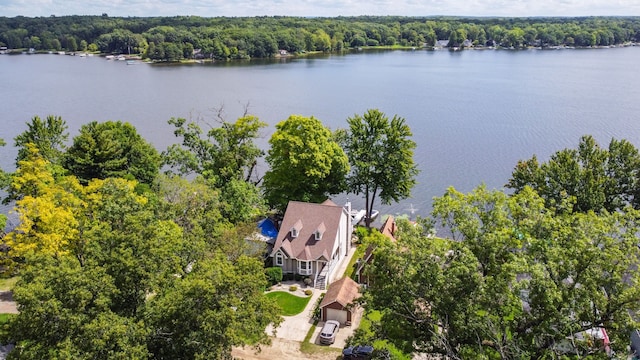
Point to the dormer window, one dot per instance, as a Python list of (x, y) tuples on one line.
[(320, 230), (295, 230)]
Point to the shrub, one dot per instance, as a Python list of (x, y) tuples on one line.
[(361, 233), (307, 281), (316, 309), (293, 288), (274, 274), (308, 292)]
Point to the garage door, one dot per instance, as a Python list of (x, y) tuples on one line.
[(339, 315)]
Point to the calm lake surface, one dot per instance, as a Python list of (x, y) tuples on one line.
[(474, 114)]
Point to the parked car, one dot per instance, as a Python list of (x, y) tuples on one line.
[(329, 331), (358, 352)]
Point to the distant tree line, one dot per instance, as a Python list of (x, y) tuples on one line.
[(221, 38)]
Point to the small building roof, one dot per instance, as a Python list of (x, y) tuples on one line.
[(343, 291), (389, 228)]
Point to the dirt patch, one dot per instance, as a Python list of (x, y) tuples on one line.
[(7, 305), (279, 349)]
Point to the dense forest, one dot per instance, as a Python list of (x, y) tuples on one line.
[(220, 38)]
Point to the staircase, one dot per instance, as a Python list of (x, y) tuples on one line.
[(321, 282)]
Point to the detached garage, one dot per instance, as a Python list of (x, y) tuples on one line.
[(335, 304)]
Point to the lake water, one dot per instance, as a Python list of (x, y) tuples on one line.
[(474, 114)]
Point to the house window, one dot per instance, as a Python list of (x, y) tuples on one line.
[(279, 259), (304, 267), (320, 230), (295, 230)]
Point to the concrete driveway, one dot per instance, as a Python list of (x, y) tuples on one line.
[(343, 333), (296, 327)]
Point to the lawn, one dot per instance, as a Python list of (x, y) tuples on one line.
[(290, 304), (351, 267)]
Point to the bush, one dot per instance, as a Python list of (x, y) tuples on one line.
[(293, 288), (274, 274), (316, 309), (308, 292), (361, 233)]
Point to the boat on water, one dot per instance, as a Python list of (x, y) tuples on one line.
[(358, 216), (132, 62), (110, 57)]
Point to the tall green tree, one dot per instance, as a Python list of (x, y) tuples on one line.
[(221, 154), (220, 304), (49, 136), (598, 178), (65, 313), (226, 157), (380, 152), (306, 163), (103, 273), (112, 149)]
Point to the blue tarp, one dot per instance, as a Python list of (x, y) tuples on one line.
[(268, 228)]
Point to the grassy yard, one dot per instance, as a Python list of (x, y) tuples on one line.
[(5, 317), (290, 304), (351, 267), (308, 347)]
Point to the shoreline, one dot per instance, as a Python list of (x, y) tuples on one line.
[(314, 53)]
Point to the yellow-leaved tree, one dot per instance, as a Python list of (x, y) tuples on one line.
[(47, 207)]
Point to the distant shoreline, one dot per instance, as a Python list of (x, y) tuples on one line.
[(308, 54)]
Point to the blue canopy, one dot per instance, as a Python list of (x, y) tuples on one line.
[(268, 228)]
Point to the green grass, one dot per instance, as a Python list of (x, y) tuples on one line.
[(351, 268), (7, 284), (5, 317), (290, 304), (309, 348)]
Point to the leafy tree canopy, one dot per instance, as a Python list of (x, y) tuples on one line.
[(380, 153), (226, 158), (49, 136), (102, 272), (224, 153), (597, 178), (111, 149), (306, 163), (520, 281)]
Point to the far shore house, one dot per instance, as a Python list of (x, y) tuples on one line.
[(313, 240)]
